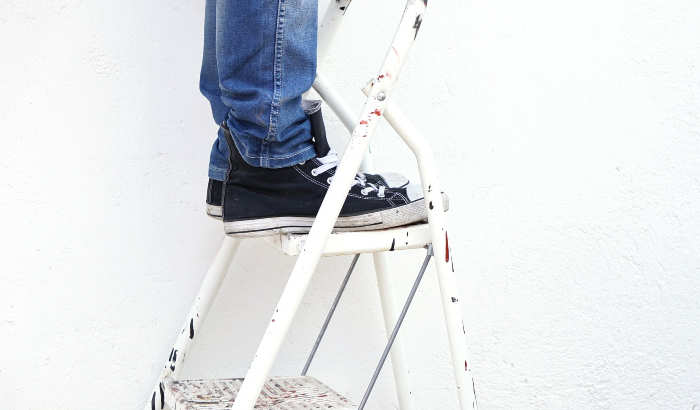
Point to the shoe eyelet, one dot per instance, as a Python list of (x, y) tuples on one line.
[(329, 180), (363, 192), (314, 173)]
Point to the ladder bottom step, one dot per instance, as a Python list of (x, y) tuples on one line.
[(280, 393)]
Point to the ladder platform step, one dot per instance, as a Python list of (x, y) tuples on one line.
[(347, 243), (280, 393)]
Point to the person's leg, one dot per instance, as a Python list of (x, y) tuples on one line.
[(209, 86), (266, 59), (259, 57)]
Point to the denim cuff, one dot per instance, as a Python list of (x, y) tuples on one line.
[(303, 152), (217, 174)]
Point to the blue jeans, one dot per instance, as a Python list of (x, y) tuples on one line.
[(259, 58)]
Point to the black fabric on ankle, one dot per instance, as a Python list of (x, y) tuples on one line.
[(318, 131), (214, 192)]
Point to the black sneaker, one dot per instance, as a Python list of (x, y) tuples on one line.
[(261, 202), (385, 179), (312, 108)]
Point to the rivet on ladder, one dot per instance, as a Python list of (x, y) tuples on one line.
[(381, 96)]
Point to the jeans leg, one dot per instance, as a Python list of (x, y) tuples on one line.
[(266, 60), (209, 86)]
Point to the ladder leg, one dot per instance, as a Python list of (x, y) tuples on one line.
[(456, 331), (391, 317), (195, 318)]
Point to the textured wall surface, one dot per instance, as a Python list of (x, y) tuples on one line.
[(568, 135)]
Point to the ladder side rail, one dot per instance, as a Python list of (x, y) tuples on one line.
[(328, 28), (334, 100), (443, 261), (330, 209), (327, 31), (195, 318), (342, 109)]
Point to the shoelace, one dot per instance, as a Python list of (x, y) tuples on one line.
[(330, 161)]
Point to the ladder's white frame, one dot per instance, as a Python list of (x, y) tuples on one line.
[(355, 158)]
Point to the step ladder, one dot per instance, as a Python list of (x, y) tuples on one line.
[(257, 390)]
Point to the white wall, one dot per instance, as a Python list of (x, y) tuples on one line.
[(568, 135)]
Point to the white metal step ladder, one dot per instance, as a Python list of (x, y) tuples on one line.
[(258, 391)]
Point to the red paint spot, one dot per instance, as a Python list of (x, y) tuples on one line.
[(377, 112), (447, 248), (363, 122), (465, 365), (364, 135), (273, 320), (381, 76)]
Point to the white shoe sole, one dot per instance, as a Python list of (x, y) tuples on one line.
[(387, 218), (214, 211)]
